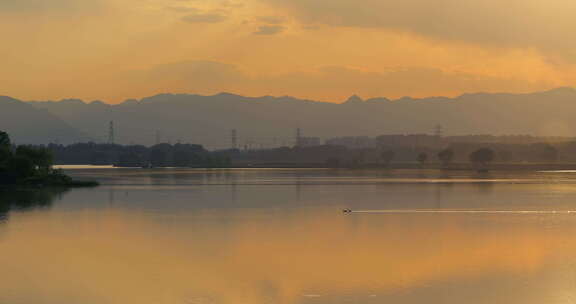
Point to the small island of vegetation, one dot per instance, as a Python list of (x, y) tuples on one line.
[(31, 166)]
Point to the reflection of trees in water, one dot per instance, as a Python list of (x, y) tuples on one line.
[(27, 199), (485, 188)]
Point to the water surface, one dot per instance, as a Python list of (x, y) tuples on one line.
[(280, 236)]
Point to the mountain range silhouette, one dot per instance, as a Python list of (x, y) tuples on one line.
[(208, 120)]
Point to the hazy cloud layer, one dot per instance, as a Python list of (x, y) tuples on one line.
[(270, 19), (25, 6), (209, 77), (181, 9), (414, 81), (196, 74), (545, 24), (269, 30), (201, 17)]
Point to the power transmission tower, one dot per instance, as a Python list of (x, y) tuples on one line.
[(250, 144), (111, 133), (438, 134), (234, 139), (298, 137), (439, 131)]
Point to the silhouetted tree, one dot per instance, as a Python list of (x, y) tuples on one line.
[(186, 155), (29, 165), (21, 167), (481, 157), (546, 152), (40, 157), (357, 158), (131, 159), (446, 156), (422, 158), (5, 152), (99, 158), (160, 155), (333, 162), (387, 157), (182, 158), (4, 139), (505, 155)]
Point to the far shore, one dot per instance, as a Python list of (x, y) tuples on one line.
[(413, 165), (457, 166)]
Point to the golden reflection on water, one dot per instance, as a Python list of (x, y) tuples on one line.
[(171, 242), (257, 256)]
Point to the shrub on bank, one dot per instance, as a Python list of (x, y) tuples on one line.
[(26, 165)]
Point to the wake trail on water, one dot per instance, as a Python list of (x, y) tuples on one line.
[(465, 211)]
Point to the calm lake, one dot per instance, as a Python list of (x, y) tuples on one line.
[(164, 236)]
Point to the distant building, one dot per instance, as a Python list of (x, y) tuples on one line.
[(437, 140), (410, 140), (507, 139), (308, 141), (353, 142)]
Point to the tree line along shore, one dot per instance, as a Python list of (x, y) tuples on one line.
[(25, 165), (458, 156)]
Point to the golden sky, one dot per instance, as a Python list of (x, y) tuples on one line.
[(319, 49)]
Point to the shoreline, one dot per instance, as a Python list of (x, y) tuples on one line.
[(413, 165), (462, 166), (36, 185)]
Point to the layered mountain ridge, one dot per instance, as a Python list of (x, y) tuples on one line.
[(265, 121)]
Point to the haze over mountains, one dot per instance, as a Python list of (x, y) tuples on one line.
[(267, 121), (28, 124)]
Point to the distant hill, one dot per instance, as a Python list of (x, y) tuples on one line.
[(266, 120), (28, 124)]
